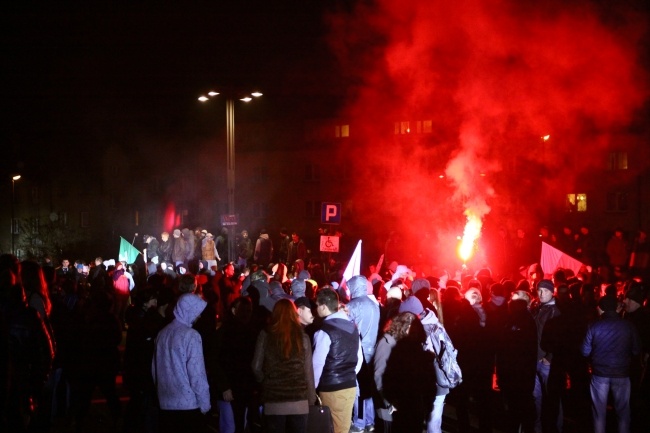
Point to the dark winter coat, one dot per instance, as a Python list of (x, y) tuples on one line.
[(610, 343)]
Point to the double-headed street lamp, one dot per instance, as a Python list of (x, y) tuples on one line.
[(13, 200), (230, 149)]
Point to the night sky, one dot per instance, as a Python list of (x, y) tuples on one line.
[(492, 77), (77, 78)]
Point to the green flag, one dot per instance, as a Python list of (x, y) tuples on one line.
[(128, 252)]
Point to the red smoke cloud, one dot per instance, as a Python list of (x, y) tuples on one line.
[(492, 77)]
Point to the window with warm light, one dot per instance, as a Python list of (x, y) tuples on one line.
[(342, 131), (617, 161), (424, 126), (402, 128), (576, 203)]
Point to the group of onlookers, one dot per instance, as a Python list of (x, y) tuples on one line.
[(251, 348)]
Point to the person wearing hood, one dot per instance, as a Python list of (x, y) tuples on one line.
[(433, 329), (178, 369), (364, 312), (420, 288), (298, 288), (277, 292), (516, 358), (263, 249)]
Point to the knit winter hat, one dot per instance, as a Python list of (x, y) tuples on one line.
[(419, 284), (411, 305), (546, 284)]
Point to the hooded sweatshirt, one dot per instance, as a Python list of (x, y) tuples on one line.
[(364, 312), (178, 367)]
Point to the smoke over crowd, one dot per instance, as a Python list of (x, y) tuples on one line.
[(448, 97)]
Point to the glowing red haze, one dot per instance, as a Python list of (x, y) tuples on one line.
[(465, 89)]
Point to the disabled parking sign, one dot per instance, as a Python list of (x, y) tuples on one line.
[(329, 244)]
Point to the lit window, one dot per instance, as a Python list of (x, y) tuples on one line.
[(576, 203), (423, 126), (402, 127), (342, 131), (617, 161), (137, 218)]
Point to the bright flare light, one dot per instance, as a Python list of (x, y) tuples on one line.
[(470, 235)]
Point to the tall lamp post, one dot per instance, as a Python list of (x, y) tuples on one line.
[(230, 151), (13, 200)]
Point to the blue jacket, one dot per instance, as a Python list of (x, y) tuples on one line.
[(178, 366), (611, 342), (364, 312)]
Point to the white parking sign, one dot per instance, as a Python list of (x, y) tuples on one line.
[(329, 244)]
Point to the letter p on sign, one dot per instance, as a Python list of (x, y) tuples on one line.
[(330, 213)]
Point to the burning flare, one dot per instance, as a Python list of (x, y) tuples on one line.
[(470, 235)]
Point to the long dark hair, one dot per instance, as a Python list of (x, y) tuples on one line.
[(285, 330)]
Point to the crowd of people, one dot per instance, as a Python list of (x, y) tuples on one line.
[(253, 341)]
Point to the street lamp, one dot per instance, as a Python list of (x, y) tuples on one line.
[(230, 150), (13, 199)]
